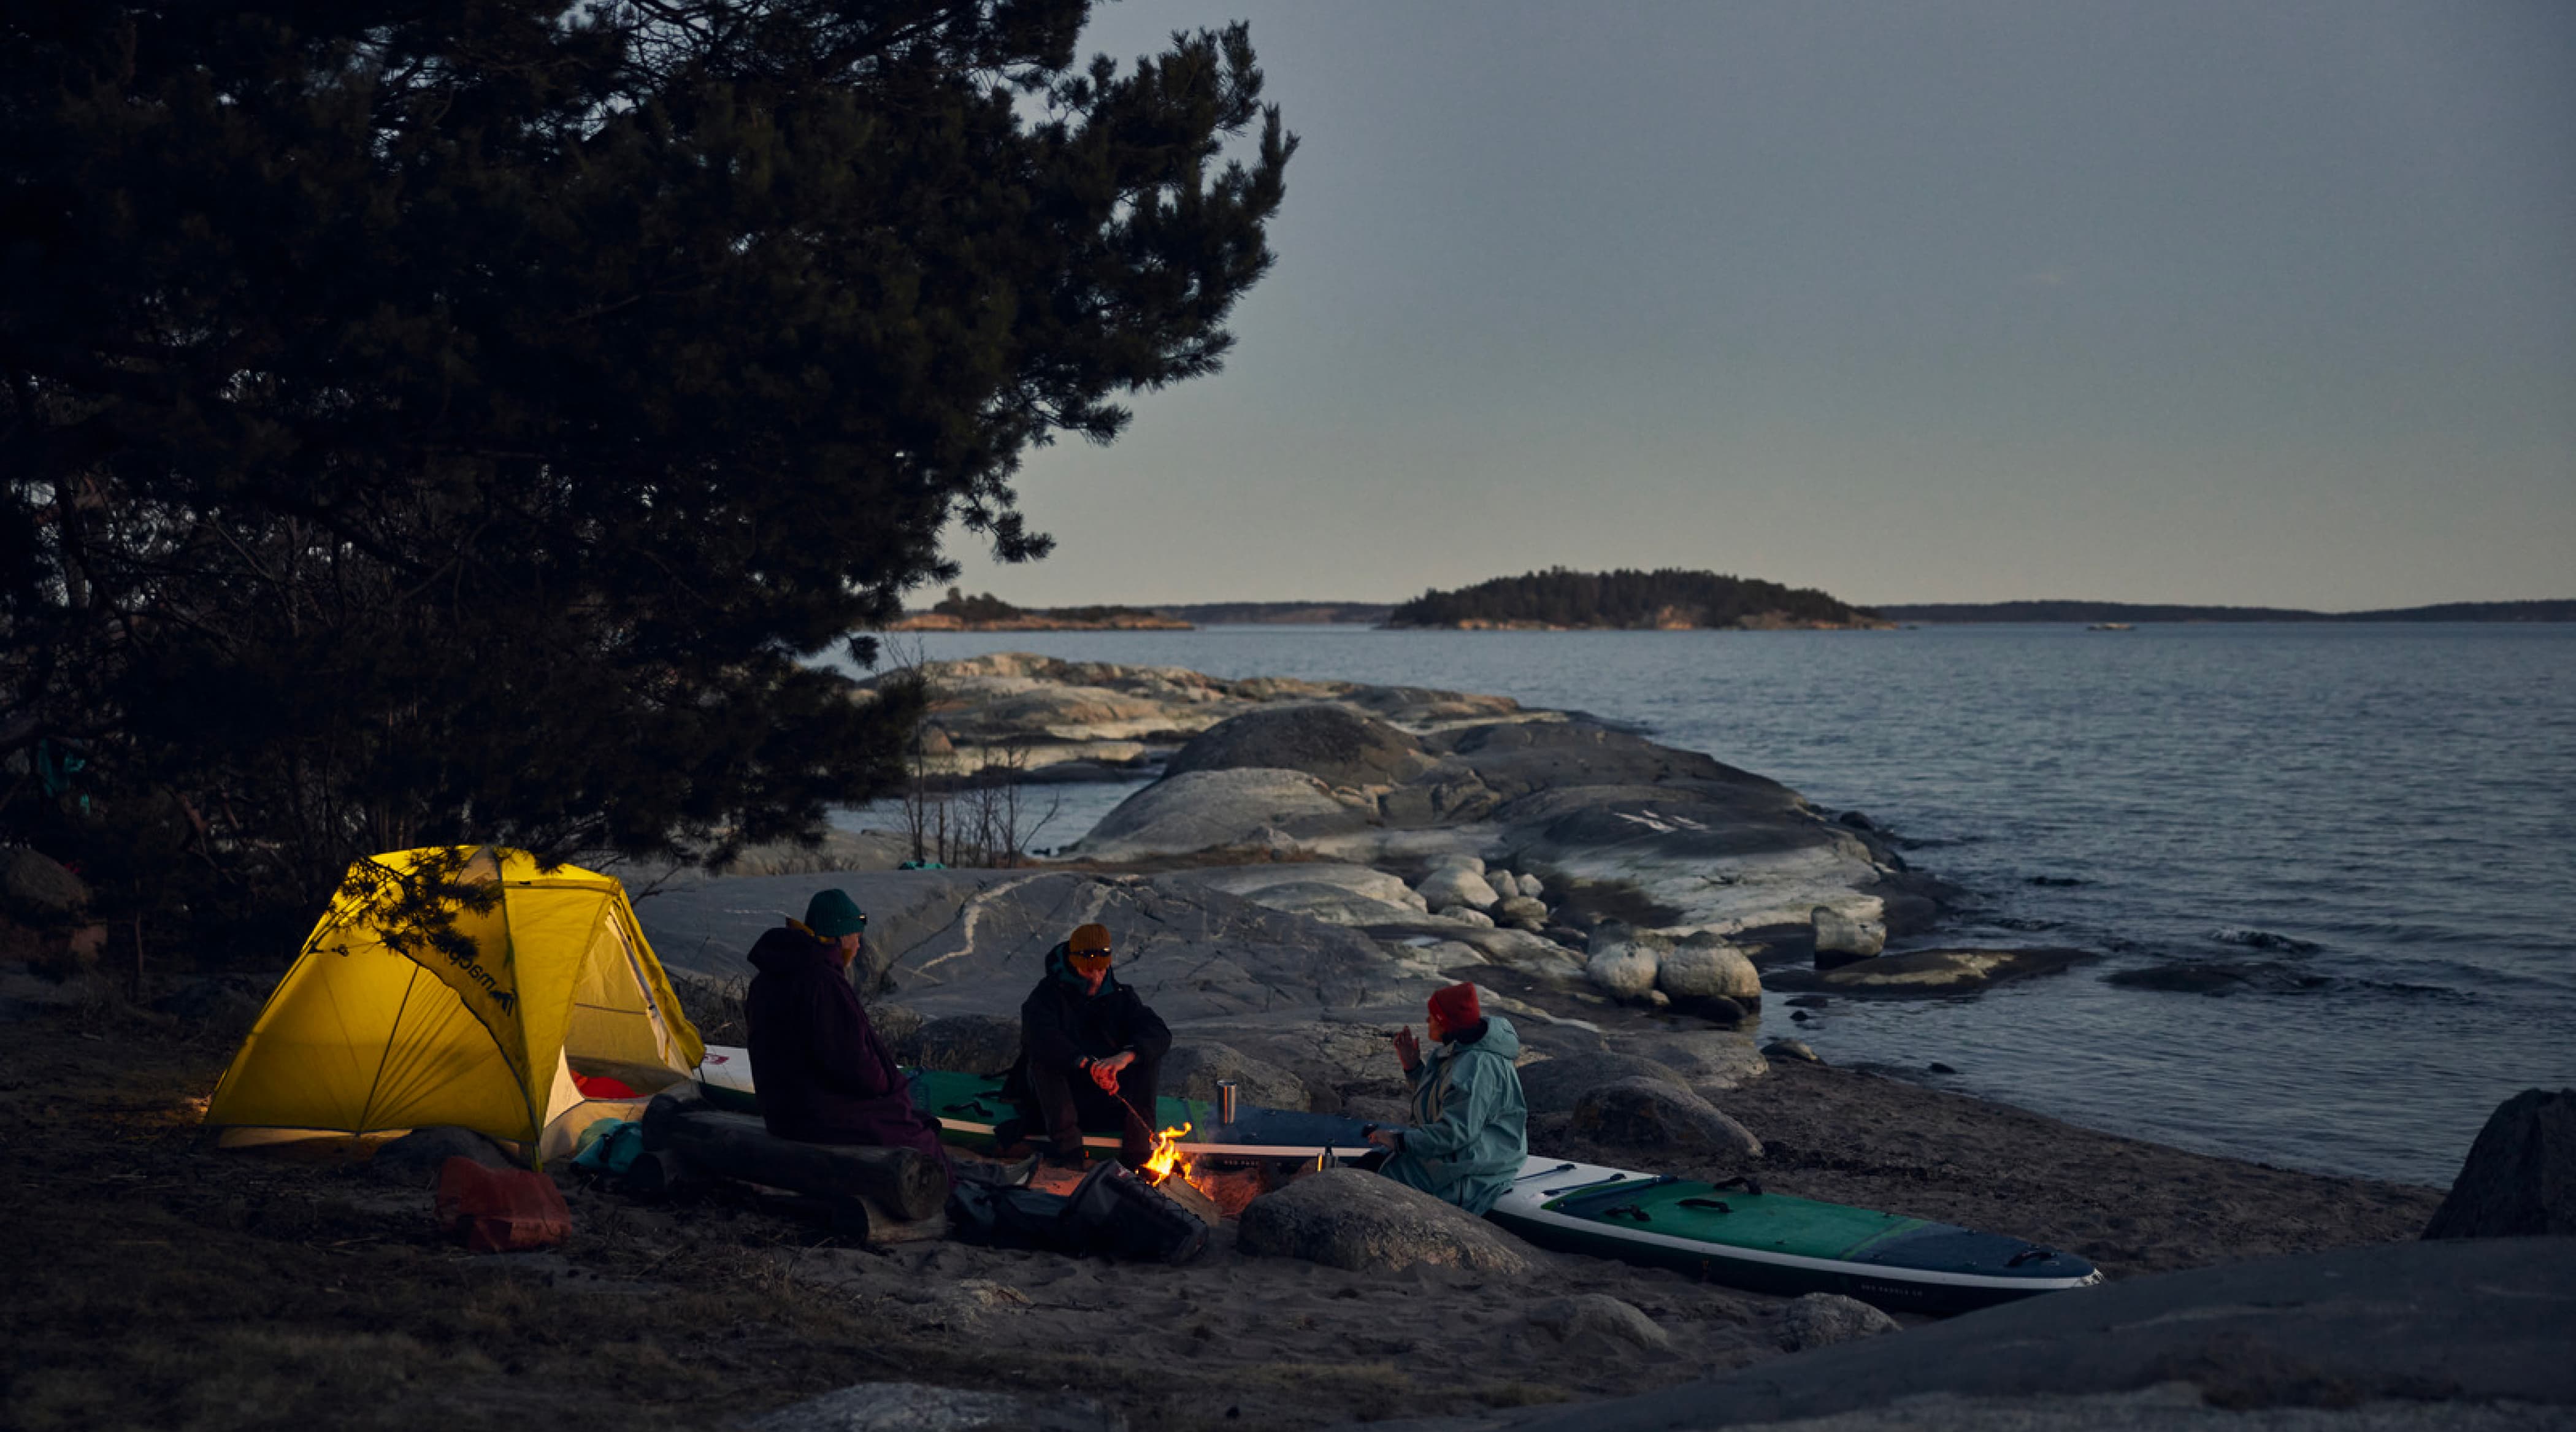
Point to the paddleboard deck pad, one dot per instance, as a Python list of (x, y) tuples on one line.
[(1777, 1243), (969, 1107)]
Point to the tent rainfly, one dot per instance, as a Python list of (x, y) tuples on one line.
[(378, 1028)]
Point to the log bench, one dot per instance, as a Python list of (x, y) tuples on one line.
[(881, 1195)]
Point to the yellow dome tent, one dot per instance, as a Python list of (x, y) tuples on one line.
[(381, 1026)]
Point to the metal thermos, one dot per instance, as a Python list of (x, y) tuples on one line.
[(1225, 1101)]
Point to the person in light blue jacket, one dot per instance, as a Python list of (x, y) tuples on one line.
[(1470, 1130)]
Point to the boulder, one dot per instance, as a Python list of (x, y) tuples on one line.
[(1841, 933), (1791, 1049), (1555, 1086), (2520, 1177), (1600, 1315), (1466, 915), (920, 1407), (1455, 885), (37, 889), (1823, 1319), (970, 1043), (1648, 1113), (1201, 810), (1348, 1219), (413, 1161), (1621, 970), (1332, 743), (899, 1025), (1947, 971), (1192, 1069), (1522, 907), (1456, 860), (1704, 967)]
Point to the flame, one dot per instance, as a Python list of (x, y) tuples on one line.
[(1166, 1159)]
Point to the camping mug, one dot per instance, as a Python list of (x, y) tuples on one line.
[(1225, 1101)]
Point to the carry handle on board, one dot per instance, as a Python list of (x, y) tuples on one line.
[(1578, 1203)]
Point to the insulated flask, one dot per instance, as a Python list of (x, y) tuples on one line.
[(1225, 1101)]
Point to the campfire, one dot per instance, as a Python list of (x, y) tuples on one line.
[(1167, 1158)]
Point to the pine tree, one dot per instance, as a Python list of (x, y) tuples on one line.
[(437, 423)]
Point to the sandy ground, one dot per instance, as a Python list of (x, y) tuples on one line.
[(155, 1281)]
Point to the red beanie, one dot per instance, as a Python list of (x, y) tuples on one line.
[(1456, 1006)]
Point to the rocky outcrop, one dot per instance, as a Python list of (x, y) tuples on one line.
[(1649, 1113), (1824, 1319), (2520, 1176), (2399, 1335), (1555, 1086), (1334, 744), (1193, 1070), (1035, 711), (1249, 807), (1345, 1218)]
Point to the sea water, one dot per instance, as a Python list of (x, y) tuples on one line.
[(2378, 821)]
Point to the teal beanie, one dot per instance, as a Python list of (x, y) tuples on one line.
[(832, 914)]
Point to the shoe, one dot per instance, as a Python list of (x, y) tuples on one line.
[(1059, 1162)]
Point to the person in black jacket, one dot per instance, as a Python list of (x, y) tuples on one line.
[(823, 1074), (1091, 1053)]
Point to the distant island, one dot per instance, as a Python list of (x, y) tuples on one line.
[(1279, 613), (2090, 612), (959, 612), (1627, 600)]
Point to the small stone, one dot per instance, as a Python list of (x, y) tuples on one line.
[(1823, 1319), (1457, 860), (1798, 1016), (1790, 1049), (1648, 1113), (1522, 907), (1659, 999), (1455, 885), (1847, 934), (1531, 886), (1601, 1314), (1466, 916), (1938, 1067)]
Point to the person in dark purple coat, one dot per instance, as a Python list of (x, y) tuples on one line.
[(823, 1075)]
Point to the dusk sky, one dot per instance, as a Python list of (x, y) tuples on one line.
[(2203, 302)]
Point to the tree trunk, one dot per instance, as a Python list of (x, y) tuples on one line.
[(907, 1182)]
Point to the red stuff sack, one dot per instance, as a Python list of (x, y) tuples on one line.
[(500, 1210)]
